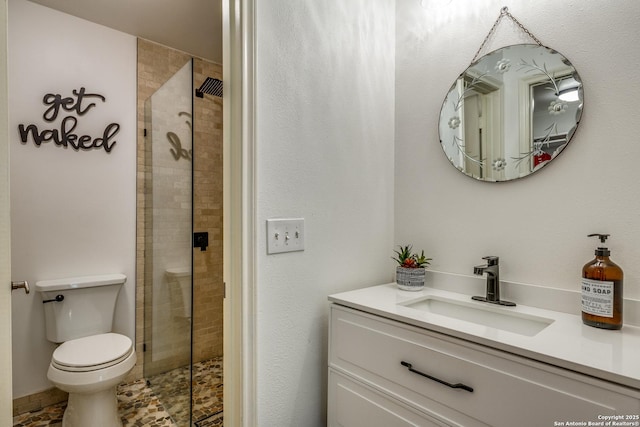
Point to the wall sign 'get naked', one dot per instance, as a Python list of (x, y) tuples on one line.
[(80, 104)]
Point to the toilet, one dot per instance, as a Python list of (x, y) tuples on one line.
[(91, 360), (180, 279)]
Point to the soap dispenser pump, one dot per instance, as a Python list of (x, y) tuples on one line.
[(602, 289)]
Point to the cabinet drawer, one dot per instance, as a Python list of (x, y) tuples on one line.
[(354, 405), (507, 390)]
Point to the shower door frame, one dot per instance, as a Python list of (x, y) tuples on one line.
[(6, 407), (239, 222)]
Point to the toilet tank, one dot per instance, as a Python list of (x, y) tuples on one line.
[(77, 307)]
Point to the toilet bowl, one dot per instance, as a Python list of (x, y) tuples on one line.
[(89, 369), (91, 360)]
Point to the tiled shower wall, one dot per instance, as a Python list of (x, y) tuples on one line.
[(208, 281), (156, 65)]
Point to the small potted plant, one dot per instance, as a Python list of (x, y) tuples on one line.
[(411, 268)]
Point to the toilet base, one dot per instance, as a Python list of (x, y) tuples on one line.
[(98, 409)]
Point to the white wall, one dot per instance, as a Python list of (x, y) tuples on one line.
[(324, 136), (537, 225), (73, 212)]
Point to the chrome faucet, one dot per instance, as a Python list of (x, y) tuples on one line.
[(493, 281)]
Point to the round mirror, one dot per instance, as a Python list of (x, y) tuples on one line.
[(511, 112)]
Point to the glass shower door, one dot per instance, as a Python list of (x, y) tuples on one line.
[(168, 246)]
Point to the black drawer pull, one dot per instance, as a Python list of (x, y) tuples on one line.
[(459, 385)]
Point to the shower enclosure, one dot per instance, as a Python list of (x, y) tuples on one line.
[(180, 213)]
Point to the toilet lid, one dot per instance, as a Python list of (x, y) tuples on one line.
[(92, 352)]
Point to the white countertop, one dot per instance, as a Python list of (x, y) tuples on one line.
[(567, 342)]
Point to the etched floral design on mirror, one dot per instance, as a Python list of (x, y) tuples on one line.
[(511, 112)]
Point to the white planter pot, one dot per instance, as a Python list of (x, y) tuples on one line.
[(410, 279)]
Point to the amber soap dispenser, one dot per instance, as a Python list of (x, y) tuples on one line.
[(602, 290)]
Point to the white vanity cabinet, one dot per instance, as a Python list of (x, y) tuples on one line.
[(370, 383)]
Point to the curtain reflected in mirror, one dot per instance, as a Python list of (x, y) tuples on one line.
[(511, 113)]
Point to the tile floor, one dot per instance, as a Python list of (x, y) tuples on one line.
[(162, 401), (172, 390)]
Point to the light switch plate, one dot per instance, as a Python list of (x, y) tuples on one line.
[(285, 235)]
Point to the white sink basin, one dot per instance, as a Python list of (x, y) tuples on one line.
[(481, 313)]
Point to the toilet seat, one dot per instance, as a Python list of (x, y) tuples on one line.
[(92, 353)]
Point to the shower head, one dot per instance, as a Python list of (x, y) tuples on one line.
[(210, 86)]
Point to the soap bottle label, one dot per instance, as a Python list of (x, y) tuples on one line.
[(597, 297)]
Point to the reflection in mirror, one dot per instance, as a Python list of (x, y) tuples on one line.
[(511, 112)]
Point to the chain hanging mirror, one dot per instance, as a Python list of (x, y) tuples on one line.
[(512, 111)]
